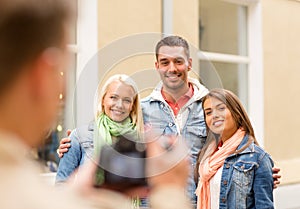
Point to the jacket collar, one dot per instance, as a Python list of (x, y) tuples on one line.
[(199, 91), (249, 149)]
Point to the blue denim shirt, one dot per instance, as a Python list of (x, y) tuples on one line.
[(82, 148), (189, 123), (247, 180)]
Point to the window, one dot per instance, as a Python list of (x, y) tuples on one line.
[(223, 31), (230, 52)]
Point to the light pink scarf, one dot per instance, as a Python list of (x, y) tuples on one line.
[(210, 166)]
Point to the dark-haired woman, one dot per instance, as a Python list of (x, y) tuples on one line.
[(234, 172)]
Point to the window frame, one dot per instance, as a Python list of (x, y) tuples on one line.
[(254, 62), (87, 48)]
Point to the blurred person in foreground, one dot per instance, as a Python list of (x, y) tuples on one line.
[(33, 53)]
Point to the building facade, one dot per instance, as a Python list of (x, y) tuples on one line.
[(247, 46)]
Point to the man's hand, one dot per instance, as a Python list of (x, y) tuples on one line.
[(64, 145), (276, 176)]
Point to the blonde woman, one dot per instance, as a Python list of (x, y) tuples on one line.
[(118, 113)]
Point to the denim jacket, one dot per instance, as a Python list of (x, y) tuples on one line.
[(82, 148), (189, 122), (247, 180)]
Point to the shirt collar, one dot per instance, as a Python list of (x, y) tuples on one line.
[(189, 94)]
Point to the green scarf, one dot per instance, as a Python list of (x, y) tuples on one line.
[(106, 128)]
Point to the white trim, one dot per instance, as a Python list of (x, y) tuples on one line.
[(87, 32), (219, 57), (242, 2), (73, 48), (256, 88), (87, 42), (242, 49), (167, 15)]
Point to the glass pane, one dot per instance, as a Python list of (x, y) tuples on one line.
[(233, 77), (46, 153), (223, 27)]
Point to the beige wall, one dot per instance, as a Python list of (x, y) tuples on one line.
[(119, 18), (119, 21), (281, 51), (185, 24), (185, 20)]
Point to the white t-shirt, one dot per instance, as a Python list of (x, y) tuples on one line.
[(215, 184)]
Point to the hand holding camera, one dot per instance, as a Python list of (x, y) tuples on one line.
[(133, 163), (123, 164)]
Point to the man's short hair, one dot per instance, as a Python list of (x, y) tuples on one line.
[(27, 28), (173, 41)]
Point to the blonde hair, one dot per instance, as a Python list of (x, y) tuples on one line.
[(136, 113)]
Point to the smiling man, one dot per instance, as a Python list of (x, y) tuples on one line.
[(175, 107)]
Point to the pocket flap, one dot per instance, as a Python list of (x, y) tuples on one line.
[(244, 166)]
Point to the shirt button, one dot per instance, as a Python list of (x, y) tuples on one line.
[(227, 166), (225, 182), (223, 199), (170, 124)]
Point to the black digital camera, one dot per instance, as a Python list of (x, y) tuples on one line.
[(123, 164)]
